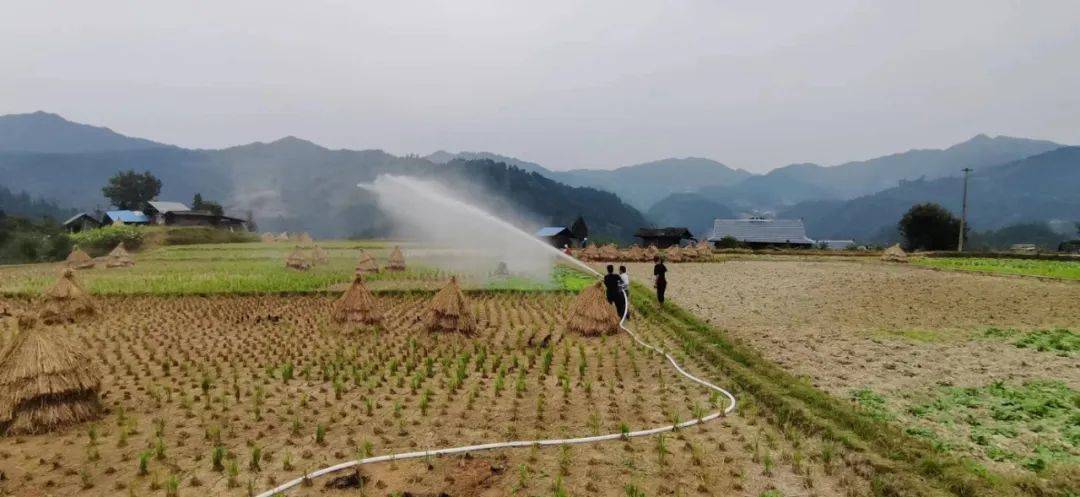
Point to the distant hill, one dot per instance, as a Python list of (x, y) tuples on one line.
[(44, 132), (688, 210), (293, 184), (858, 178), (1040, 188), (645, 184), (442, 157)]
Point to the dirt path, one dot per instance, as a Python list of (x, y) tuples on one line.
[(848, 324)]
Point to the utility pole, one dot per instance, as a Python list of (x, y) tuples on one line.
[(963, 211)]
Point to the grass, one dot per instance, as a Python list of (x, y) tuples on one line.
[(1068, 270), (250, 268), (1060, 341), (1035, 423)]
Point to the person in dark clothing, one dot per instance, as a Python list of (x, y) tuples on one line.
[(613, 284), (659, 272)]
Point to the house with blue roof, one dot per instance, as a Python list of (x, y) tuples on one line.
[(125, 217), (557, 236)]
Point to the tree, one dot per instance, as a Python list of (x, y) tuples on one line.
[(198, 204), (579, 229), (929, 226), (131, 191)]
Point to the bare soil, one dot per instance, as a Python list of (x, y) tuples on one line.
[(848, 324)]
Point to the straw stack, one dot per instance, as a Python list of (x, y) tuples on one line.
[(320, 255), (357, 305), (635, 253), (119, 257), (66, 301), (674, 254), (367, 264), (591, 314), (894, 254), (396, 261), (591, 253), (651, 252), (609, 252), (298, 260), (703, 248), (305, 239), (46, 382), (267, 238), (283, 236), (449, 311), (78, 259)]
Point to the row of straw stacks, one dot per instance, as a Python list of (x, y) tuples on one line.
[(118, 257), (47, 381), (449, 311), (284, 236), (610, 253)]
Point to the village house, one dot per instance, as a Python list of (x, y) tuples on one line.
[(124, 217), (81, 222), (759, 232), (557, 236), (157, 210), (663, 237)]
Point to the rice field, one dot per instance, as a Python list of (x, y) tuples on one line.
[(1066, 270), (224, 374)]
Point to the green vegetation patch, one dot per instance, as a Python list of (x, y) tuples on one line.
[(1060, 341), (1069, 270), (1035, 424), (101, 241)]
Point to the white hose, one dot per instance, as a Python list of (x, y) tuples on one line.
[(530, 443)]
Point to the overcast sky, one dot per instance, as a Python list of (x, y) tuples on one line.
[(566, 84)]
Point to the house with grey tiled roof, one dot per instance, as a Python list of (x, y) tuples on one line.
[(760, 232)]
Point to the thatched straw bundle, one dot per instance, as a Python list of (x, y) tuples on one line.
[(267, 238), (396, 261), (320, 255), (449, 311), (609, 252), (298, 260), (283, 236), (78, 259), (119, 257), (357, 305), (46, 382), (651, 252), (590, 253), (894, 254), (674, 254), (635, 253), (305, 239), (591, 314), (367, 264), (66, 301), (703, 248)]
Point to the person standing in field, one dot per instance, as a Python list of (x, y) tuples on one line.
[(659, 272), (625, 286), (613, 284)]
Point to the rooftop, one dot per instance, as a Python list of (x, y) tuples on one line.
[(552, 231), (757, 230), (128, 216), (164, 207)]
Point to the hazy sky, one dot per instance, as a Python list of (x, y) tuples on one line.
[(567, 84)]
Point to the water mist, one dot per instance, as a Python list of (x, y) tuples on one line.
[(427, 212)]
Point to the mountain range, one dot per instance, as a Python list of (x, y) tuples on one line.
[(294, 184)]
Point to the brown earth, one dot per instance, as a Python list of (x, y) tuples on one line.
[(850, 324), (183, 375)]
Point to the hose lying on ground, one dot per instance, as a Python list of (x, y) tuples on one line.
[(530, 443)]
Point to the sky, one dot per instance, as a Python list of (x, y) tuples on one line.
[(567, 84)]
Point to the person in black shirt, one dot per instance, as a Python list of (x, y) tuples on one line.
[(659, 272), (613, 284)]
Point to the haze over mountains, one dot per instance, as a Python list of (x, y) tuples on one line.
[(295, 184)]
